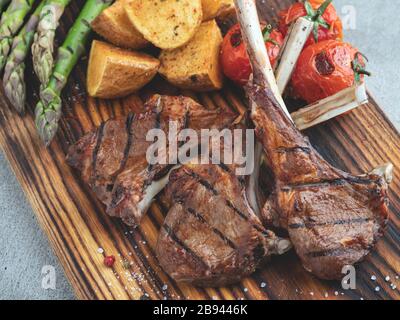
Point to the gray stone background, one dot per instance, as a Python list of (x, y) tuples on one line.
[(24, 249)]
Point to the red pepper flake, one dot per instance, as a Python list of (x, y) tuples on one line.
[(109, 261)]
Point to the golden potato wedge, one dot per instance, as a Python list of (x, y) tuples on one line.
[(217, 9), (196, 65), (114, 25), (168, 24), (115, 72)]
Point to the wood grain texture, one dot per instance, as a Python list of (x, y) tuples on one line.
[(77, 225)]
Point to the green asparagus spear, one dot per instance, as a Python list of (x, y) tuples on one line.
[(13, 81), (3, 3), (11, 21), (43, 45), (48, 110)]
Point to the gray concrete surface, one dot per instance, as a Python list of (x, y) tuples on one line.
[(24, 250), (377, 35)]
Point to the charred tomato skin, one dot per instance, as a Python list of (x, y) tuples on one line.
[(234, 59), (324, 69), (297, 10)]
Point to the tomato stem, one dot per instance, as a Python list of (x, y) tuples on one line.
[(323, 7), (358, 67), (365, 72), (267, 32), (316, 16), (267, 35)]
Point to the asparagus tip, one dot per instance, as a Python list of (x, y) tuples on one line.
[(5, 47), (47, 116), (14, 85), (43, 60)]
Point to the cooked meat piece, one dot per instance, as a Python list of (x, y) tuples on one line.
[(333, 218), (112, 159), (211, 236)]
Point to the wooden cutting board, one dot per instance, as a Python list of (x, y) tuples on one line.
[(77, 225)]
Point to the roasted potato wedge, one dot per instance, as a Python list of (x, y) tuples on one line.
[(196, 65), (217, 9), (115, 72), (168, 24), (114, 25)]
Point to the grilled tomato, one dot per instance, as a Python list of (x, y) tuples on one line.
[(326, 68), (327, 24), (234, 59)]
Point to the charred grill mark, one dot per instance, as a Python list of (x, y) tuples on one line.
[(180, 243), (185, 125), (327, 253), (117, 196), (157, 125), (96, 150), (119, 193), (197, 215), (362, 180), (309, 225), (261, 229), (225, 238), (203, 182), (306, 150), (225, 168), (128, 125), (186, 120), (334, 182), (208, 186), (201, 218), (229, 203), (228, 170), (337, 252), (233, 207), (129, 121)]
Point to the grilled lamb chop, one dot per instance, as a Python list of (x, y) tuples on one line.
[(112, 159), (333, 218), (211, 236)]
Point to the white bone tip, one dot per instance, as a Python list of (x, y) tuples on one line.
[(385, 171)]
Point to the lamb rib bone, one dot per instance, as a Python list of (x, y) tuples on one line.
[(333, 218), (264, 69), (153, 190)]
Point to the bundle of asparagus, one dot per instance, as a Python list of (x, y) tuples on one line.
[(39, 32), (11, 22), (48, 110), (43, 45), (13, 81)]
